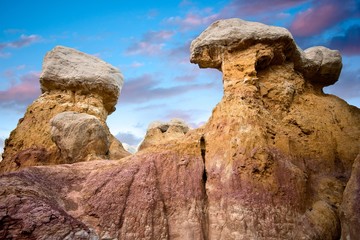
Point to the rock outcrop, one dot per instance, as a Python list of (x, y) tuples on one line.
[(272, 162), (350, 207), (70, 81), (160, 132)]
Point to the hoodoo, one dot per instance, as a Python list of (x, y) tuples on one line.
[(276, 160), (70, 81)]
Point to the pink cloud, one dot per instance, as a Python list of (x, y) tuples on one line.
[(23, 92), (144, 48), (22, 42), (151, 43), (157, 36), (240, 8), (318, 18), (193, 20)]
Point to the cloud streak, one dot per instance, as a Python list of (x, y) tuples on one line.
[(348, 44), (240, 8), (23, 41), (192, 20), (145, 89), (151, 43), (21, 93), (321, 16)]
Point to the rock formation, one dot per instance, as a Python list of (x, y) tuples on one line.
[(272, 162), (160, 133), (70, 81)]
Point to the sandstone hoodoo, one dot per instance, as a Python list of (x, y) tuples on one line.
[(276, 160), (70, 81)]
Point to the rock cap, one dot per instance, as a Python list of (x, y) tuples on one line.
[(320, 65), (69, 69)]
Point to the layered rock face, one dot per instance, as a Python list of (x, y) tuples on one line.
[(272, 162), (70, 81)]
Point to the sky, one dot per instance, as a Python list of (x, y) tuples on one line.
[(149, 42)]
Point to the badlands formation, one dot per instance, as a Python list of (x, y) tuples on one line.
[(278, 158)]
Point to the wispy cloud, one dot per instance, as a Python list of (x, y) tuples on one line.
[(23, 41), (349, 43), (321, 16), (151, 43), (193, 20), (240, 8), (22, 93), (145, 88)]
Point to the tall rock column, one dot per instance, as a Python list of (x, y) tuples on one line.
[(70, 81), (274, 148)]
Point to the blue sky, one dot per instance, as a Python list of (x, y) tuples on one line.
[(149, 42)]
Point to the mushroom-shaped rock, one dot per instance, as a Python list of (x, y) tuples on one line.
[(266, 45), (160, 132), (222, 36), (79, 137), (68, 69)]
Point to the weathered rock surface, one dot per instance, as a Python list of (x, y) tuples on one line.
[(79, 137), (67, 88), (350, 207), (160, 132), (68, 69), (272, 162)]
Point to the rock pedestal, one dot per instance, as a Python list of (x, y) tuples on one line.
[(70, 81)]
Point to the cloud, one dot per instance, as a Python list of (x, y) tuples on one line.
[(348, 43), (321, 16), (187, 77), (129, 138), (23, 41), (151, 43), (240, 8), (193, 20), (23, 92), (145, 88)]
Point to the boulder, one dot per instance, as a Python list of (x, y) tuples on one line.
[(79, 137), (160, 132)]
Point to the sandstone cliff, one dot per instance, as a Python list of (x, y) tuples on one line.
[(272, 162), (70, 81)]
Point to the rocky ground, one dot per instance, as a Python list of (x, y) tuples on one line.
[(278, 158)]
